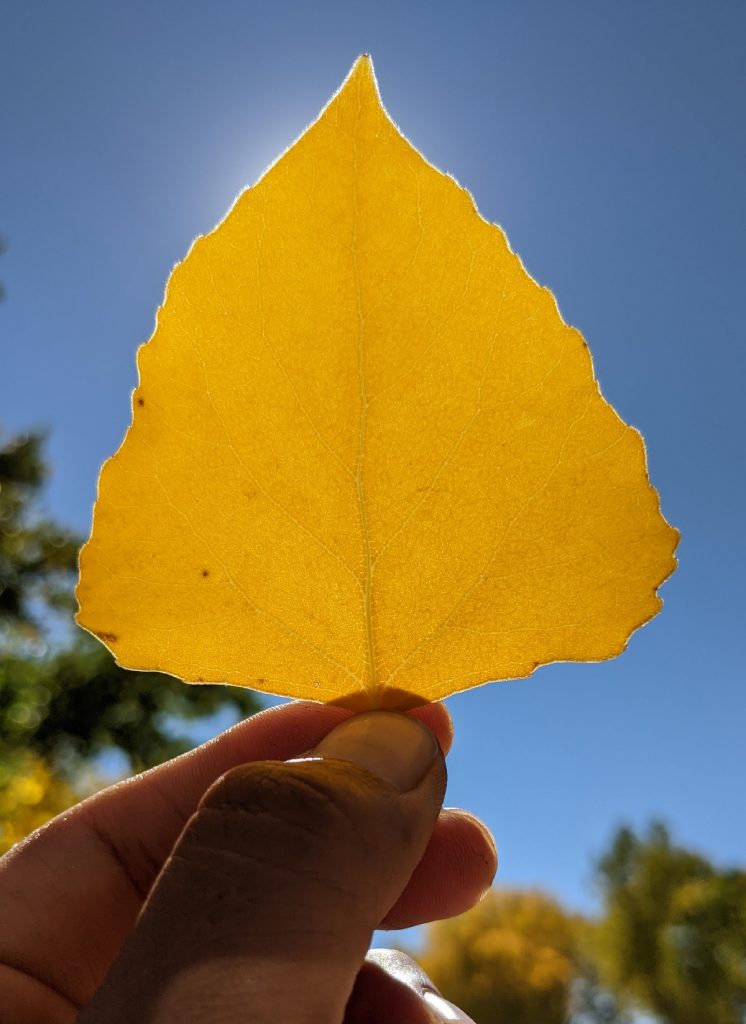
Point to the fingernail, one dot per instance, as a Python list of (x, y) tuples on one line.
[(443, 1010), (393, 746)]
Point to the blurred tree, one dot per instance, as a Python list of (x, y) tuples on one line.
[(674, 931), (518, 957), (590, 1001), (29, 795), (67, 703), (37, 557), (70, 706)]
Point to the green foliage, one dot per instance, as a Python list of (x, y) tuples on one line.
[(673, 936), (591, 1001), (38, 558)]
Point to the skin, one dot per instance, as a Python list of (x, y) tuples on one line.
[(242, 882)]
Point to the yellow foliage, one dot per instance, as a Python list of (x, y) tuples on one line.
[(511, 958), (369, 462), (29, 796)]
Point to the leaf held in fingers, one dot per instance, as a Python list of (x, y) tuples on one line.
[(368, 462)]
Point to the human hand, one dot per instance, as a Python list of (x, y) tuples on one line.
[(261, 909)]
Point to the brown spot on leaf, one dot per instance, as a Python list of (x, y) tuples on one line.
[(140, 401), (108, 638), (205, 573)]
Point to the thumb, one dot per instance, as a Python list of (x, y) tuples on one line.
[(265, 909)]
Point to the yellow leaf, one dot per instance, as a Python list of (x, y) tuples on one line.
[(368, 461)]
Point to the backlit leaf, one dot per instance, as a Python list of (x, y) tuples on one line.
[(368, 461)]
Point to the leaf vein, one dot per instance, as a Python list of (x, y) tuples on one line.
[(435, 632)]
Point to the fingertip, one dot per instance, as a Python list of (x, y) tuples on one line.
[(438, 719), (476, 833), (298, 725), (454, 874), (280, 732)]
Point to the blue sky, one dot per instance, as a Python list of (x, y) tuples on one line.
[(608, 140)]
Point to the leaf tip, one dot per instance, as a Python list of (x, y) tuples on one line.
[(363, 64), (362, 74)]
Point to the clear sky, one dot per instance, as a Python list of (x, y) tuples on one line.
[(608, 140)]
